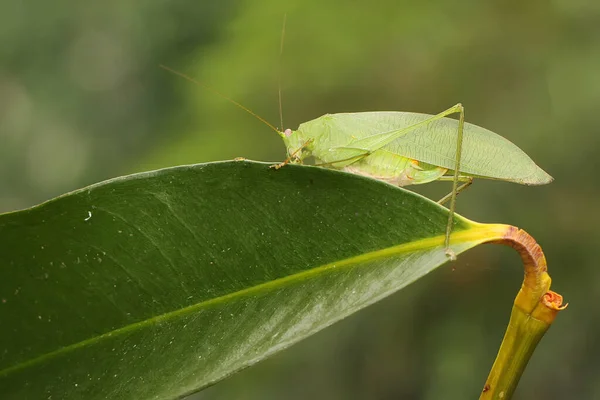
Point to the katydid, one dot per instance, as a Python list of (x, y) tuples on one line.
[(405, 148)]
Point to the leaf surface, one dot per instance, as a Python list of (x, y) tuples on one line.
[(157, 284)]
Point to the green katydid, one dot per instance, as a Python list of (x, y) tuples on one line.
[(404, 148)]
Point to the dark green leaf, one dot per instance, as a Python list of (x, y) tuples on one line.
[(158, 284)]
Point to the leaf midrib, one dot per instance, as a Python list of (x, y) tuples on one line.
[(479, 233)]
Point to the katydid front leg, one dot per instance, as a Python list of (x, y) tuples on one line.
[(293, 156)]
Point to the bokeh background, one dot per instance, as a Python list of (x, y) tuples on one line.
[(82, 99)]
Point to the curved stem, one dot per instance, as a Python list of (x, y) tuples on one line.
[(534, 310)]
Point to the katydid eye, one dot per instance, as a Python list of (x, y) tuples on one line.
[(287, 132)]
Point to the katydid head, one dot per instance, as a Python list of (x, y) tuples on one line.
[(297, 146)]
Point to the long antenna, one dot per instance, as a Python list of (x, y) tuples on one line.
[(281, 70), (184, 76)]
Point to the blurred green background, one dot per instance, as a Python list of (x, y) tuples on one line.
[(82, 99)]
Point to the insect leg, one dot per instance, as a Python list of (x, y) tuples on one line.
[(292, 156), (375, 142), (468, 182), (459, 140), (379, 140)]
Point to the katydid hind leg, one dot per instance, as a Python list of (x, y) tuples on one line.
[(459, 140), (363, 147), (375, 142)]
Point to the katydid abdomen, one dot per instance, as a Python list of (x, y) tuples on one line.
[(394, 169)]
